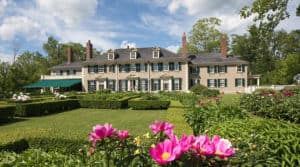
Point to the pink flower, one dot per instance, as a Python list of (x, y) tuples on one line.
[(123, 134), (91, 151), (162, 126), (218, 99), (204, 146), (223, 147), (201, 103), (165, 152), (186, 142), (101, 132), (288, 93)]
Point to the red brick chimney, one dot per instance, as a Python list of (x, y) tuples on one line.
[(184, 51), (89, 50), (70, 55), (224, 46)]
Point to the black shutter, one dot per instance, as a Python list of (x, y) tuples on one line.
[(180, 83), (243, 80), (105, 68), (126, 85), (173, 85), (120, 85), (96, 69), (120, 67), (219, 83), (216, 69), (152, 83), (114, 85), (225, 82), (198, 70), (235, 82), (171, 66), (127, 67), (208, 69), (152, 67), (225, 68), (138, 67), (146, 67), (179, 64), (146, 84), (89, 70), (160, 66), (159, 84), (113, 67), (208, 83), (216, 82), (243, 68)]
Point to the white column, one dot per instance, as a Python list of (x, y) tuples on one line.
[(258, 81), (161, 84), (186, 78), (128, 85), (105, 84)]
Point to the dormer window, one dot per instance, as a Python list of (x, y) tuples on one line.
[(156, 53), (110, 55), (133, 54)]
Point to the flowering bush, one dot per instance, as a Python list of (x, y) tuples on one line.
[(120, 149)]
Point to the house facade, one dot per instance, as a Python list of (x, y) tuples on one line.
[(155, 69)]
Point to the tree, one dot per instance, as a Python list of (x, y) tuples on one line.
[(5, 84), (190, 49), (205, 36), (298, 11), (54, 51)]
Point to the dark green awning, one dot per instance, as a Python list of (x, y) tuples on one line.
[(62, 83)]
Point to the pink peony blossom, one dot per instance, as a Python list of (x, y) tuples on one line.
[(123, 134), (204, 146), (223, 147), (162, 126), (91, 151), (288, 93), (101, 132), (186, 142), (165, 152)]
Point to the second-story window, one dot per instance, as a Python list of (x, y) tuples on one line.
[(102, 68), (222, 69), (143, 67), (166, 67), (132, 67), (111, 68), (210, 69), (240, 68), (154, 67), (177, 66), (133, 55)]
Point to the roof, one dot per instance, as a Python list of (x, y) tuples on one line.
[(143, 55), (215, 59), (63, 83), (72, 65)]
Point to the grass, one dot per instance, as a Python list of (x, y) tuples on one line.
[(77, 124), (229, 99)]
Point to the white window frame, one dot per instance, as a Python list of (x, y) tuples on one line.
[(176, 84), (222, 83), (93, 84), (155, 85), (211, 70), (166, 66), (101, 68), (110, 56), (155, 67), (239, 82), (222, 69), (211, 83), (133, 55), (239, 68), (156, 54), (166, 82), (110, 84)]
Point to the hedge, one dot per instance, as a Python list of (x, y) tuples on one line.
[(6, 113), (139, 104), (44, 108), (105, 104)]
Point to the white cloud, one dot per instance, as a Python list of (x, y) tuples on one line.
[(16, 25), (71, 12), (4, 57), (3, 6), (126, 44), (173, 48)]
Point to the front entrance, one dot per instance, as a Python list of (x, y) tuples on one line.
[(133, 85)]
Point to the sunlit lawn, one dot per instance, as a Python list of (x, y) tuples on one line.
[(76, 124)]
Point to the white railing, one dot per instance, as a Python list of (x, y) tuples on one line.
[(251, 89), (61, 77)]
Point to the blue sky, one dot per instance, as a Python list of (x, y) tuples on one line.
[(116, 23)]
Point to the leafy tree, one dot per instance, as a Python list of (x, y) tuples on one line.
[(5, 84), (190, 49), (205, 36), (298, 11)]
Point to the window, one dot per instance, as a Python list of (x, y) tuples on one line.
[(240, 68), (195, 70), (111, 85), (61, 72), (144, 84), (166, 67), (239, 82), (143, 67), (68, 72), (91, 85), (160, 66), (96, 69), (102, 69), (133, 55), (210, 69), (111, 68), (101, 85), (171, 66), (177, 84), (156, 85), (222, 69), (132, 67), (90, 69), (155, 67), (166, 85), (111, 56), (72, 72), (177, 66), (222, 83), (123, 85), (211, 83), (156, 54)]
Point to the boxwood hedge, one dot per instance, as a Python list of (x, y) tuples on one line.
[(45, 107), (140, 104), (105, 104), (6, 113)]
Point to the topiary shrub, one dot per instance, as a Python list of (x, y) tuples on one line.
[(6, 113), (204, 91), (105, 104)]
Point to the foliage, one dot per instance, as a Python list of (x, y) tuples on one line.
[(141, 104), (298, 11), (104, 104), (204, 91), (261, 142), (6, 113), (273, 105), (45, 107), (186, 99), (205, 35), (191, 49)]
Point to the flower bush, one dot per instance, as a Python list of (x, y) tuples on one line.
[(118, 148)]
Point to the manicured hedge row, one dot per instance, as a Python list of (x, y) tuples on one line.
[(105, 104), (44, 108), (139, 104), (6, 113)]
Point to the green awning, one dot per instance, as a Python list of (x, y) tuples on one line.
[(62, 83)]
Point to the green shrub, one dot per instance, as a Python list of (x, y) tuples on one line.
[(204, 91), (275, 106), (140, 104), (105, 104), (187, 99), (45, 107), (6, 113)]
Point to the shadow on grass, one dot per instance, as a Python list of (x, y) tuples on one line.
[(11, 121)]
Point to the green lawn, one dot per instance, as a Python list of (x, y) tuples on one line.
[(230, 99)]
